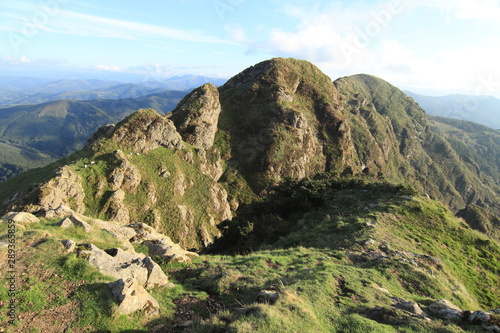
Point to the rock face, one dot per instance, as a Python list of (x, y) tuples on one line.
[(273, 134), (146, 130), (124, 176), (197, 115), (116, 209), (63, 189)]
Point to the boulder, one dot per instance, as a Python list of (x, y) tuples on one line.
[(74, 221), (409, 306), (121, 264), (270, 295), (61, 211), (132, 297), (69, 245), (443, 309), (121, 232), (169, 251), (20, 217)]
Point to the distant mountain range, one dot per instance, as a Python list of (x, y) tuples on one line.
[(35, 135), (29, 90), (484, 110)]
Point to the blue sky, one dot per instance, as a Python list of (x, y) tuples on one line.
[(427, 46)]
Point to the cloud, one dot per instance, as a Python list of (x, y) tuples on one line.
[(483, 10), (112, 68), (23, 60), (90, 25), (345, 39), (59, 20)]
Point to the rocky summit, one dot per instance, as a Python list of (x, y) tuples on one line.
[(280, 201)]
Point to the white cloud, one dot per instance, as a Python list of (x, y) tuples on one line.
[(23, 60), (90, 25), (362, 38), (483, 10), (112, 68), (59, 20)]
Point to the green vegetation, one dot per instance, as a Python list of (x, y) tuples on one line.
[(332, 188)]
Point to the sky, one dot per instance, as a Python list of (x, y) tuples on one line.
[(425, 46)]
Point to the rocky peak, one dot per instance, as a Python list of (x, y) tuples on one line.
[(197, 115), (283, 121), (146, 130)]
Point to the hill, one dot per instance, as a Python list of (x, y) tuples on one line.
[(314, 205), (36, 135), (27, 90), (479, 109)]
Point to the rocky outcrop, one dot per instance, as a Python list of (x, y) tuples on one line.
[(124, 176), (121, 264), (20, 217), (146, 130), (116, 209), (102, 132), (197, 115), (218, 204), (159, 244), (132, 297), (211, 163), (179, 184), (444, 309), (63, 189)]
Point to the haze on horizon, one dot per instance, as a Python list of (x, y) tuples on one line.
[(428, 47)]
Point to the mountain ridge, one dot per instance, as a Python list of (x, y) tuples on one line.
[(309, 202)]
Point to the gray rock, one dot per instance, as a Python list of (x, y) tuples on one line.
[(122, 265), (124, 176), (74, 221), (409, 306), (368, 242), (69, 245), (443, 309), (169, 250), (61, 211), (132, 297), (20, 217), (63, 190), (116, 208), (270, 295), (479, 317), (197, 115), (147, 130)]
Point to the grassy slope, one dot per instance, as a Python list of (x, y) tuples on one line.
[(322, 289), (423, 154)]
